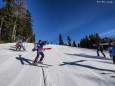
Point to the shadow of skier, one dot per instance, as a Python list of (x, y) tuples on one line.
[(76, 63), (88, 56), (22, 60)]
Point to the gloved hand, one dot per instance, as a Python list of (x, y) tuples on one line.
[(33, 49)]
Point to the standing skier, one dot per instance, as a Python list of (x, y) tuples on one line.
[(99, 48), (112, 50), (39, 48)]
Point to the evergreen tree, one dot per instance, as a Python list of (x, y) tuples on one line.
[(78, 44), (69, 41), (97, 38), (88, 41), (60, 40), (74, 44), (5, 28), (15, 21)]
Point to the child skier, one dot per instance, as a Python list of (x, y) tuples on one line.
[(20, 45), (39, 48), (112, 50)]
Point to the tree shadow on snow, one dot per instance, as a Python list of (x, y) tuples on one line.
[(88, 56), (22, 60), (76, 63)]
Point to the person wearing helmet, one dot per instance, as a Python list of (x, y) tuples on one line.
[(40, 49)]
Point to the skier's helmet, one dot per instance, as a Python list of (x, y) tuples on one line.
[(40, 41)]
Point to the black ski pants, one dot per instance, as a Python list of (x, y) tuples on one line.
[(101, 52), (114, 59), (38, 54), (20, 46)]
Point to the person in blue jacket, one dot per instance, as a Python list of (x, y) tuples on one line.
[(112, 50), (20, 45), (40, 49)]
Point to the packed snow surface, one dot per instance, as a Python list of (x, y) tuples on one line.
[(62, 66)]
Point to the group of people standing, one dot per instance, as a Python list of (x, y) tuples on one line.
[(111, 49), (39, 48)]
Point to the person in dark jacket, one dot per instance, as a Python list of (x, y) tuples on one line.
[(100, 48)]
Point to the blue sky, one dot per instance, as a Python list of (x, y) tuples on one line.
[(74, 18)]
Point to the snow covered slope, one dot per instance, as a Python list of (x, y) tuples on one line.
[(63, 66)]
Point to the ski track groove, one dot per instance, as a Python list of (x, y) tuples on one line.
[(47, 80), (58, 79), (44, 76)]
